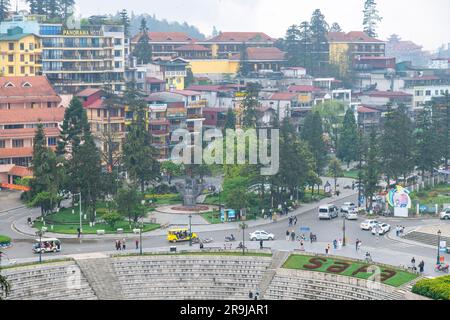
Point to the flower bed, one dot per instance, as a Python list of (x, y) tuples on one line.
[(5, 241)]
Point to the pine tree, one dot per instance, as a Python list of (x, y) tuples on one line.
[(312, 133), (143, 50), (319, 29), (125, 21), (37, 6), (371, 18), (348, 140), (306, 56), (371, 169), (230, 121), (292, 46), (244, 66), (397, 144), (66, 8), (250, 106), (335, 170), (52, 8), (335, 27), (139, 157), (5, 7), (427, 149)]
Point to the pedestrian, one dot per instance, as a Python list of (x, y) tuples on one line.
[(357, 245), (329, 247), (295, 221), (397, 231), (261, 244), (422, 266), (292, 236), (290, 221), (119, 245), (201, 246), (311, 237), (250, 295), (287, 235), (340, 244), (413, 263), (124, 246), (326, 250), (137, 244), (335, 244), (302, 246)]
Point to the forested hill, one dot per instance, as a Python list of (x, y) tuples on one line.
[(163, 25)]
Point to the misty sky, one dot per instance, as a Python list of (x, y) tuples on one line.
[(424, 22)]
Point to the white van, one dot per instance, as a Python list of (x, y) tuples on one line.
[(328, 212)]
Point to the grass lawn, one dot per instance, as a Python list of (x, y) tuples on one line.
[(67, 223), (438, 195), (211, 199), (299, 261), (353, 174), (213, 217), (165, 199)]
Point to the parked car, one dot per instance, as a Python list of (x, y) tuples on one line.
[(445, 215), (369, 224), (381, 229), (328, 212), (261, 235)]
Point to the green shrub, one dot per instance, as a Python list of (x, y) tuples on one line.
[(4, 240), (437, 289)]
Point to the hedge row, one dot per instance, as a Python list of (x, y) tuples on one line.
[(437, 289)]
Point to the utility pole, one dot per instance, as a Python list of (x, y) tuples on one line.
[(190, 230), (360, 168)]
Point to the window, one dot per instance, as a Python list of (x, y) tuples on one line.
[(117, 42), (51, 141), (98, 114), (2, 144), (11, 46), (31, 58), (11, 70), (117, 53), (428, 93), (10, 58), (22, 46), (22, 70), (419, 93), (17, 143), (31, 70), (22, 58), (436, 92), (31, 46)]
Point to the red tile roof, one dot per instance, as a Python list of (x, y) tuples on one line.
[(363, 109), (19, 116), (353, 36), (296, 88), (283, 96), (88, 92), (186, 93), (166, 37), (192, 47), (153, 80), (20, 172), (39, 89), (16, 152), (242, 37), (262, 54)]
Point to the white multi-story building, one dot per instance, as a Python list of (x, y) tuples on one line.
[(425, 88)]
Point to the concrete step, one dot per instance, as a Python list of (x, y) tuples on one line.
[(101, 276), (278, 260), (425, 238)]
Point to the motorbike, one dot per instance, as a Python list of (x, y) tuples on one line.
[(442, 268), (230, 238)]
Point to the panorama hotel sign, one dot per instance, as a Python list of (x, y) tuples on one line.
[(80, 32)]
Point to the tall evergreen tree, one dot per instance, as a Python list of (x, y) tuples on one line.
[(230, 119), (427, 148), (244, 66), (292, 46), (397, 144), (66, 8), (250, 106), (138, 154), (371, 18), (319, 29), (335, 27), (125, 21), (5, 7), (371, 169), (37, 6), (305, 37), (348, 140), (143, 50), (52, 8), (312, 133)]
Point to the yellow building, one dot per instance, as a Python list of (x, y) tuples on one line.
[(20, 53), (214, 66)]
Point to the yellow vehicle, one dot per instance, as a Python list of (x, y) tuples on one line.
[(179, 235)]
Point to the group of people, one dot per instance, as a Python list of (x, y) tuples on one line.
[(292, 221), (122, 245), (421, 265), (399, 231)]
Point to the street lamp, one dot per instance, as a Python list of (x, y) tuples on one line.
[(439, 247), (81, 224), (343, 229), (243, 226), (40, 233), (190, 230)]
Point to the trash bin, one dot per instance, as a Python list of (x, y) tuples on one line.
[(173, 249)]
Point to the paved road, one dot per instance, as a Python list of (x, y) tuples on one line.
[(382, 249)]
